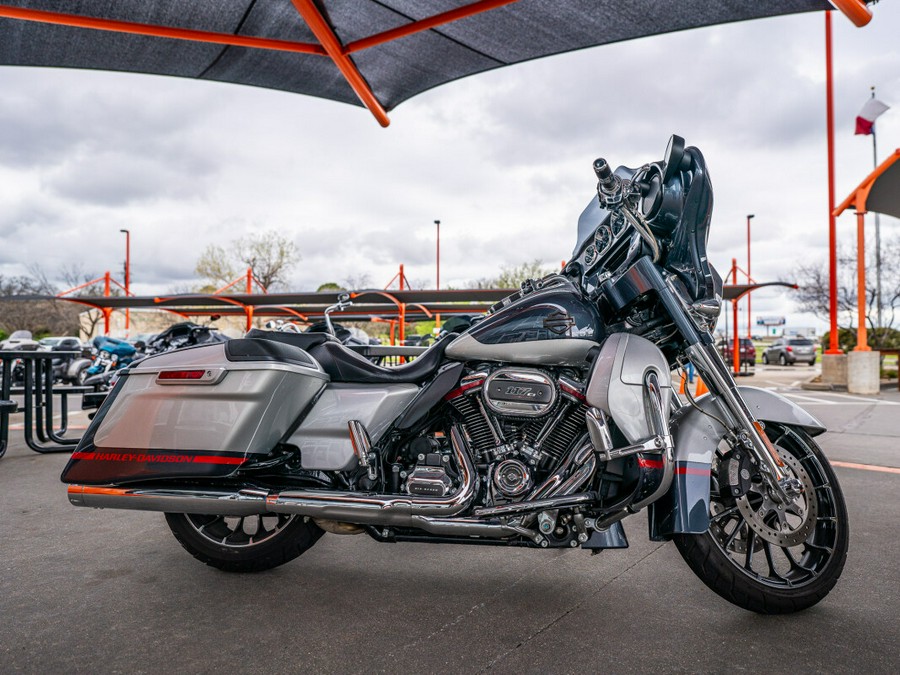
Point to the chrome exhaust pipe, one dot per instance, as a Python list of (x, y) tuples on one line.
[(211, 502), (373, 509)]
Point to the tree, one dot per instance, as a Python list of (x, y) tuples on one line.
[(268, 255), (513, 276), (813, 293), (329, 286), (19, 310)]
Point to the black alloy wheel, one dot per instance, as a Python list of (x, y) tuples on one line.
[(769, 557), (244, 543)]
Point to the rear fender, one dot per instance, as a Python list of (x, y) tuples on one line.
[(685, 507)]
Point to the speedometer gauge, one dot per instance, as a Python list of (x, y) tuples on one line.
[(617, 223), (590, 255), (602, 238)]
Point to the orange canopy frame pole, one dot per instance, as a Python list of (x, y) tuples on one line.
[(833, 346), (426, 24), (325, 35), (855, 10), (109, 25)]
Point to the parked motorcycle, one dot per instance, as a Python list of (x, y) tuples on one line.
[(183, 334), (69, 368), (112, 355), (544, 425)]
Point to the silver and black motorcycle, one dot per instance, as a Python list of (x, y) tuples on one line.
[(543, 425)]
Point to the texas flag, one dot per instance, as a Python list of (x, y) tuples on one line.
[(867, 116)]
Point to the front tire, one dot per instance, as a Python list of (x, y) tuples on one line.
[(244, 543), (765, 359), (771, 558)]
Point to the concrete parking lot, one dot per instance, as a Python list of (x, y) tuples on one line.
[(112, 591)]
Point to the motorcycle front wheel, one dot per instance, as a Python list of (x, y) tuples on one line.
[(244, 543), (769, 557)]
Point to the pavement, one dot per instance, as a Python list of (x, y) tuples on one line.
[(105, 591)]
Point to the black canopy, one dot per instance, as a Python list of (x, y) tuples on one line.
[(376, 53)]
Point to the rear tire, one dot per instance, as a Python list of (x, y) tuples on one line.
[(786, 559), (782, 360), (244, 544)]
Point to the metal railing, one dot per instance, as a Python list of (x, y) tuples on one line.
[(37, 390)]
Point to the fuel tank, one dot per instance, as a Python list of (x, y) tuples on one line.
[(552, 325)]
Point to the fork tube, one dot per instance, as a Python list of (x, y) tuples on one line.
[(708, 361)]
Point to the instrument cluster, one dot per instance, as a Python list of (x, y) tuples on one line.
[(605, 236)]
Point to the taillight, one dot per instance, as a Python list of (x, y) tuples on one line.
[(788, 349), (190, 376), (182, 374)]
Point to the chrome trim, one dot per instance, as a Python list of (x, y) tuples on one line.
[(212, 502), (516, 508), (519, 408), (362, 447)]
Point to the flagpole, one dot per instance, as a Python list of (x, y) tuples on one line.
[(877, 240), (833, 347)]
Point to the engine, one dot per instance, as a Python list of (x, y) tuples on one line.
[(521, 422)]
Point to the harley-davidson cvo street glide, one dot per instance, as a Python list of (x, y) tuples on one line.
[(542, 425)]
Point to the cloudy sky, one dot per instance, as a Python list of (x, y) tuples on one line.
[(503, 159)]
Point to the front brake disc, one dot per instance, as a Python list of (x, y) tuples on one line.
[(778, 523)]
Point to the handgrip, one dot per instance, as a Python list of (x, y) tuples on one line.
[(604, 174)]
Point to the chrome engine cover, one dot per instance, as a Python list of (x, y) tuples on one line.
[(428, 481), (519, 392), (512, 478)]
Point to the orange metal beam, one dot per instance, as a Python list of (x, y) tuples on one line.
[(862, 343), (858, 197), (855, 10), (333, 47), (425, 24), (150, 30)]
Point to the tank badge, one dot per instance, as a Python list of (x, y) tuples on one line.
[(559, 322)]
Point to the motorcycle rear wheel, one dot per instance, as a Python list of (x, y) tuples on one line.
[(244, 543), (766, 557)]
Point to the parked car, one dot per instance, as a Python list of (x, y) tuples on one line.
[(788, 351), (747, 351), (20, 339)]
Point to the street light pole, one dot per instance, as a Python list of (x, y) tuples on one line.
[(437, 320), (749, 279), (127, 276)]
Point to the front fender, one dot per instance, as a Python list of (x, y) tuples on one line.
[(685, 507)]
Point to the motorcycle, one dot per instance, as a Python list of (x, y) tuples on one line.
[(544, 424), (112, 355), (183, 334)]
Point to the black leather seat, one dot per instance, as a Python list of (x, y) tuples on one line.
[(303, 340), (345, 365)]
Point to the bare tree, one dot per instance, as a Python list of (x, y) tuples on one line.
[(24, 305), (814, 290), (269, 256), (513, 276)]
